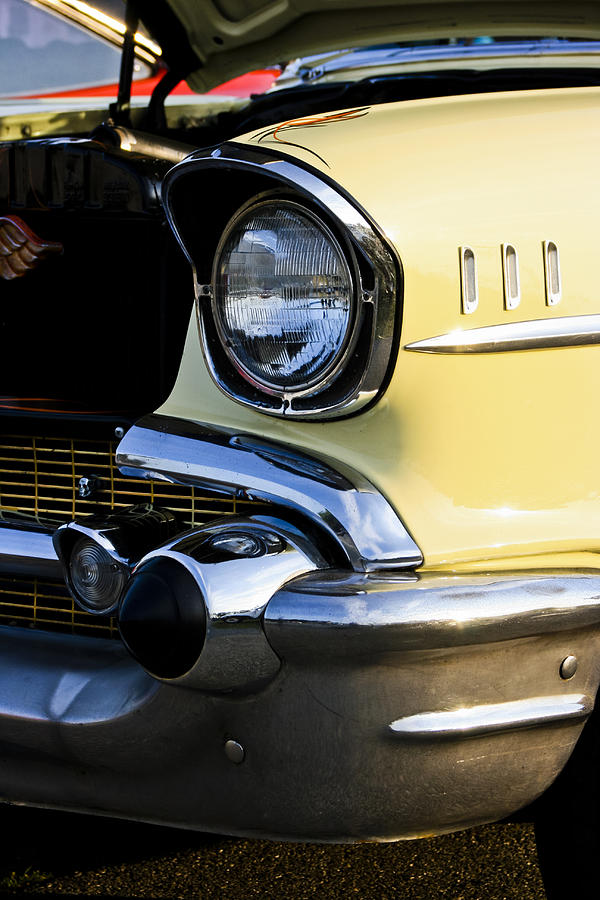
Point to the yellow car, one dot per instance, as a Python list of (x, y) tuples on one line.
[(299, 503)]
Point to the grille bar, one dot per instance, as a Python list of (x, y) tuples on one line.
[(42, 603), (40, 475)]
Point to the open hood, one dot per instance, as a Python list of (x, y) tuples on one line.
[(211, 41)]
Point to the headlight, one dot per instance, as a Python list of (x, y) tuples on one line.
[(298, 293), (284, 298)]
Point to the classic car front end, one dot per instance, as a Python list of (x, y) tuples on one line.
[(317, 558)]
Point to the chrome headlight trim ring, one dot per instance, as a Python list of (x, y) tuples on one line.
[(365, 371)]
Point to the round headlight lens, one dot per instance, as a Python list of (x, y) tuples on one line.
[(283, 297)]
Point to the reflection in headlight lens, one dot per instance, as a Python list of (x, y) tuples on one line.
[(283, 298)]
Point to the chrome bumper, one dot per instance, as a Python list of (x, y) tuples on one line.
[(26, 547), (393, 705), (404, 706)]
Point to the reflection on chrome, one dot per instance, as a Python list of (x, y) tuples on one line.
[(493, 717), (538, 334), (429, 612), (336, 498), (233, 589), (26, 546)]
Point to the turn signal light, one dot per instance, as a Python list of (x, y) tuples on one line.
[(97, 578), (98, 554)]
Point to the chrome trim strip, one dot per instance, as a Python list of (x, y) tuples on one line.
[(338, 613), (335, 498), (491, 718), (537, 334), (356, 386), (469, 291), (27, 549), (552, 282), (510, 276)]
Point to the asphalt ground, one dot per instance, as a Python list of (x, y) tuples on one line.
[(59, 854)]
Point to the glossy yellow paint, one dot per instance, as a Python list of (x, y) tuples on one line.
[(485, 457)]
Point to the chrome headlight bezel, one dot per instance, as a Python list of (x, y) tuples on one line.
[(214, 180)]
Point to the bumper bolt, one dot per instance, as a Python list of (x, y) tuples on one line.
[(568, 667), (234, 752)]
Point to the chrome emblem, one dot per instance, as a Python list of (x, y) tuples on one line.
[(20, 249), (88, 486)]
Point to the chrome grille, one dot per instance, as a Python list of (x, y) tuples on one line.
[(47, 605), (39, 476)]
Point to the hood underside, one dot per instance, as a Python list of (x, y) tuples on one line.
[(211, 41)]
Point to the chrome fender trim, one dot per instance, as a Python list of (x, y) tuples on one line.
[(336, 498), (537, 334)]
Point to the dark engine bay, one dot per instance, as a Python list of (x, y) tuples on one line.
[(96, 322)]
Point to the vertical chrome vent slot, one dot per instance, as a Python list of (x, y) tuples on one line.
[(468, 280), (552, 273), (510, 276)]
